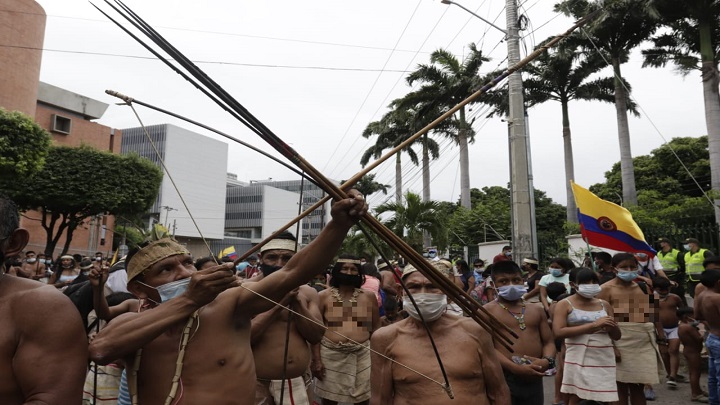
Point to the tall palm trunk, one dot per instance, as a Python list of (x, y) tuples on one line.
[(569, 164), (426, 183), (462, 140), (627, 169), (398, 179), (712, 106)]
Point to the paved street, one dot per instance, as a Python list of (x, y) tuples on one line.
[(664, 396)]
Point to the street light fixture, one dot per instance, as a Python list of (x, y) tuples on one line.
[(521, 193), (448, 2)]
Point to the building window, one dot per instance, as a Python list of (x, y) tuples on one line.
[(61, 124)]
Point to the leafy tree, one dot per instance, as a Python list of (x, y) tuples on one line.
[(668, 194), (411, 219), (489, 220), (77, 183), (563, 74), (623, 25), (24, 146), (693, 45), (391, 130), (445, 82), (357, 243), (367, 185)]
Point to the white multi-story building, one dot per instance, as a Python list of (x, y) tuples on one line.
[(198, 165)]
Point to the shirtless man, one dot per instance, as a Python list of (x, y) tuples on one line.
[(670, 348), (32, 267), (270, 331), (342, 367), (201, 313), (534, 350), (707, 308), (32, 370), (466, 348), (711, 263), (636, 313)]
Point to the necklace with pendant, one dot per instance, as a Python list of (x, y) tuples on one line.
[(520, 318), (338, 298)]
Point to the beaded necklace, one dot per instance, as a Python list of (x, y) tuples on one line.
[(338, 298), (520, 318)]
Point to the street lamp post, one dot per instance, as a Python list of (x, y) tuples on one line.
[(521, 194)]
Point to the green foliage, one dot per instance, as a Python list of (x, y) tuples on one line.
[(367, 185), (413, 217), (24, 146), (76, 183), (133, 236), (667, 194), (357, 244)]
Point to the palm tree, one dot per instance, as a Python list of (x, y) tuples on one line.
[(624, 25), (446, 82), (562, 74), (367, 185), (411, 219), (694, 45), (394, 128)]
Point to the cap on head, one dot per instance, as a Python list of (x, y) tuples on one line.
[(665, 240), (692, 240), (409, 269), (155, 251)]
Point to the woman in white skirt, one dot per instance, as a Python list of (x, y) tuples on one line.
[(588, 327)]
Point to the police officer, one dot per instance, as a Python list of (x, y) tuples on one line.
[(694, 258), (673, 263)]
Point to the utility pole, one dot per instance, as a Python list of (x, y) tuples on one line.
[(520, 191)]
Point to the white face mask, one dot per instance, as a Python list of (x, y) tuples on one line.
[(31, 260), (432, 306), (589, 290), (170, 290)]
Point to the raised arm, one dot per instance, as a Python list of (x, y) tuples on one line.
[(131, 331), (305, 264)]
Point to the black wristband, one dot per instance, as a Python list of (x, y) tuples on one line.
[(551, 361)]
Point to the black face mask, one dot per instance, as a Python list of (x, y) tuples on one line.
[(268, 269), (339, 279)]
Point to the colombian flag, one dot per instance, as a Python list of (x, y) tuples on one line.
[(229, 252), (608, 225)]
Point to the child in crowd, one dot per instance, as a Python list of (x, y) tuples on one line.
[(392, 313), (692, 341), (670, 347)]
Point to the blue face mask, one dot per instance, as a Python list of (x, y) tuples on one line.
[(556, 272), (512, 292), (170, 290), (627, 275)]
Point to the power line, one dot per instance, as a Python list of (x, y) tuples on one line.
[(261, 65)]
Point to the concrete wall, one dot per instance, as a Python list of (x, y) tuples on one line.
[(22, 30), (488, 250)]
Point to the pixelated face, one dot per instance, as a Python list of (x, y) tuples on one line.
[(504, 279), (417, 283), (170, 269), (276, 257)]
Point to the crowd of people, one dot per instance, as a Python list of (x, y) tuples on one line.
[(159, 327)]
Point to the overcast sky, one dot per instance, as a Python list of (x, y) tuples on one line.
[(317, 72)]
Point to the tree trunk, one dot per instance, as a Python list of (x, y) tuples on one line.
[(462, 140), (569, 164), (426, 183), (398, 179), (712, 107), (627, 169)]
